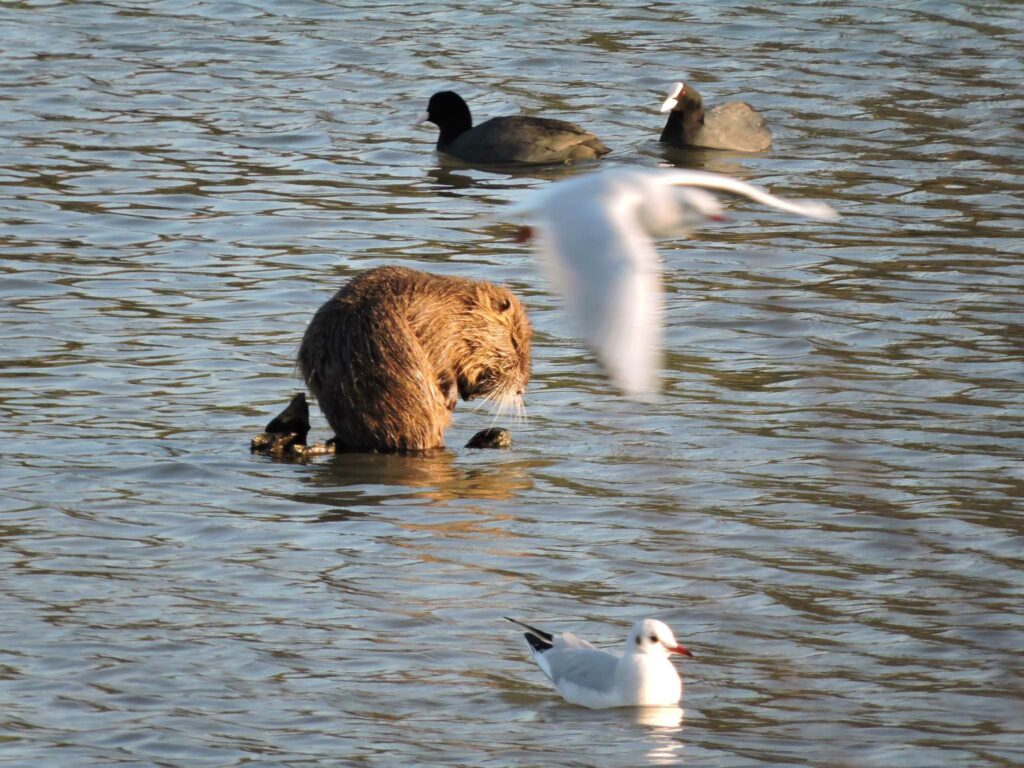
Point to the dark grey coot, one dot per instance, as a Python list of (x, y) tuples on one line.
[(734, 125), (512, 140)]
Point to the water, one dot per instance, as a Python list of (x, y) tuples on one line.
[(825, 505)]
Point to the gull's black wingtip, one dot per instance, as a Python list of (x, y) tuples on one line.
[(537, 643), (538, 639)]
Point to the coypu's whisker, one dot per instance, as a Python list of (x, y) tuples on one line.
[(513, 404), (486, 400), (496, 401), (522, 419), (496, 415), (502, 400)]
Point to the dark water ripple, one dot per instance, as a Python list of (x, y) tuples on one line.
[(826, 503)]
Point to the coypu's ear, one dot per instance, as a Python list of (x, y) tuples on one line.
[(501, 303)]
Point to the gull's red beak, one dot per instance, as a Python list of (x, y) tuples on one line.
[(682, 650), (523, 234)]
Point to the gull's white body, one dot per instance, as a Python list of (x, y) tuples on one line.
[(640, 676), (593, 234)]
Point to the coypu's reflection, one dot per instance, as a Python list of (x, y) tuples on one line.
[(353, 484)]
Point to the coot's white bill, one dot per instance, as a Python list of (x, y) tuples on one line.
[(640, 675), (672, 99)]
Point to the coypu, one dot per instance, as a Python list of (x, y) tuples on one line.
[(734, 125), (388, 356), (511, 140)]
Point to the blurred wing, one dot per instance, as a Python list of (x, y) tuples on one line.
[(682, 178), (607, 269)]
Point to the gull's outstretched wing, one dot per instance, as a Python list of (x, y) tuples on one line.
[(592, 247), (678, 177)]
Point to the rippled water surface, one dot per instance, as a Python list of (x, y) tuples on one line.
[(825, 504)]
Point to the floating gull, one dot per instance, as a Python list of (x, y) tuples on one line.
[(640, 676)]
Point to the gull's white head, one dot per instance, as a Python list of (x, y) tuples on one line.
[(704, 203), (652, 637), (696, 206), (672, 100), (666, 211)]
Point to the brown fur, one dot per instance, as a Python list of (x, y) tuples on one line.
[(388, 355)]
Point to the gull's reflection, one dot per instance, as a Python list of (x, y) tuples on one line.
[(665, 741), (660, 717)]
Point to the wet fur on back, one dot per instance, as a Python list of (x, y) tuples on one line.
[(389, 354)]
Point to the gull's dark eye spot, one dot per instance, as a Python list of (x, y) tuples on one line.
[(653, 638), (638, 638)]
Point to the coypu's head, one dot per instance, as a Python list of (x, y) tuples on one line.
[(496, 335)]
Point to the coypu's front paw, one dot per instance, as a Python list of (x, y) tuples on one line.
[(495, 437)]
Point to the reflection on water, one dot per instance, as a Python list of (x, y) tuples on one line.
[(662, 718), (431, 478), (825, 502), (665, 741)]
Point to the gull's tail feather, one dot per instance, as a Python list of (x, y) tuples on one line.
[(538, 639)]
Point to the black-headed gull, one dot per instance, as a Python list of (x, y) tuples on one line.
[(639, 676), (593, 237)]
